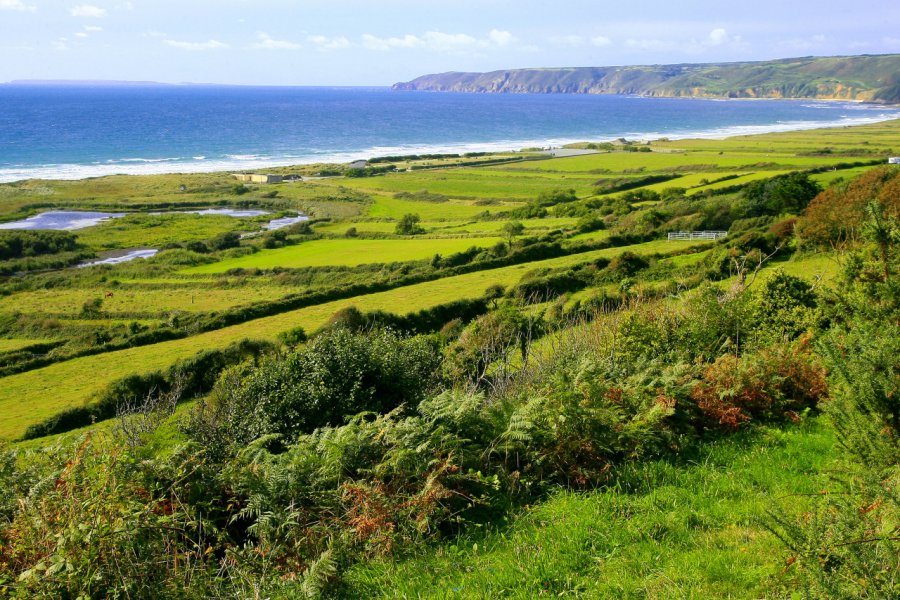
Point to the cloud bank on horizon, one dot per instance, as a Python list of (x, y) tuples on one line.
[(344, 42)]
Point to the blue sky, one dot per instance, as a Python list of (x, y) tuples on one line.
[(338, 42)]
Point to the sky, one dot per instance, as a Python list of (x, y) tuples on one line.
[(344, 43)]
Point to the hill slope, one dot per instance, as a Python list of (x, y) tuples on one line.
[(864, 78)]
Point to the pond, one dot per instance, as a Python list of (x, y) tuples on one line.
[(62, 220), (121, 257)]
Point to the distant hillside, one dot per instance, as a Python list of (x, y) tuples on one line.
[(865, 78)]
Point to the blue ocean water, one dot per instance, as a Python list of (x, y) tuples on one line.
[(73, 131)]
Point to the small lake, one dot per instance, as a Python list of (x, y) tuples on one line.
[(284, 222), (121, 257), (62, 220), (70, 220)]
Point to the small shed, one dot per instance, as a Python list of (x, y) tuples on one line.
[(894, 160), (358, 164)]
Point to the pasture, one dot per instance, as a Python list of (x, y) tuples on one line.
[(346, 252), (29, 397)]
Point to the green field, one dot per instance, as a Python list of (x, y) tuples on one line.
[(10, 345), (34, 395), (346, 252), (465, 202), (623, 421)]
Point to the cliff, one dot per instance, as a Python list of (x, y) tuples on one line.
[(862, 78)]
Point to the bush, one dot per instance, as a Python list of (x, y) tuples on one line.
[(339, 373), (409, 225), (776, 384)]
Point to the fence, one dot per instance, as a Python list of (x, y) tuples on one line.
[(697, 235)]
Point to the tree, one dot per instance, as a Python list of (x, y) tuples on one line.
[(783, 194), (512, 230), (409, 225)]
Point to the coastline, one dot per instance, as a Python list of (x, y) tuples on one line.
[(237, 162)]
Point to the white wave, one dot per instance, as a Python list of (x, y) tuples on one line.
[(250, 162)]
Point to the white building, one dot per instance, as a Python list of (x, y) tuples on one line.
[(894, 160)]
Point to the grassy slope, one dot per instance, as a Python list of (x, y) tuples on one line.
[(686, 530), (349, 252), (29, 397), (8, 345)]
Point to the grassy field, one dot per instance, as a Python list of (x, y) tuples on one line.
[(29, 397), (456, 226), (690, 529), (9, 345), (472, 197), (140, 299), (158, 230), (393, 208), (346, 252)]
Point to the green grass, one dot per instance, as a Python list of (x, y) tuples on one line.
[(9, 345), (138, 299), (346, 252), (394, 208), (157, 230), (482, 182), (689, 529), (30, 397)]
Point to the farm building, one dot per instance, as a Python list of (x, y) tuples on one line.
[(258, 178), (894, 160), (358, 164)]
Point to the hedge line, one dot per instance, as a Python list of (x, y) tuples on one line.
[(196, 375)]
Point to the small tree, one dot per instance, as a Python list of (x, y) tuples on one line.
[(512, 230), (409, 225)]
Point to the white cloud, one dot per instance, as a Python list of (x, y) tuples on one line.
[(501, 38), (717, 37), (81, 34), (376, 43), (328, 43), (267, 43), (60, 44), (600, 40), (92, 28), (196, 46), (16, 5), (438, 41), (88, 10)]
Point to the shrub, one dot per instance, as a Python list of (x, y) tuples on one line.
[(409, 225), (339, 373), (773, 385)]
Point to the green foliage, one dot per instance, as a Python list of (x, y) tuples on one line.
[(409, 225), (512, 230), (557, 196), (848, 545), (783, 194), (293, 337), (24, 244), (783, 307), (339, 373)]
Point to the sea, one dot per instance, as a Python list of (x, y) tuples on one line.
[(64, 131)]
